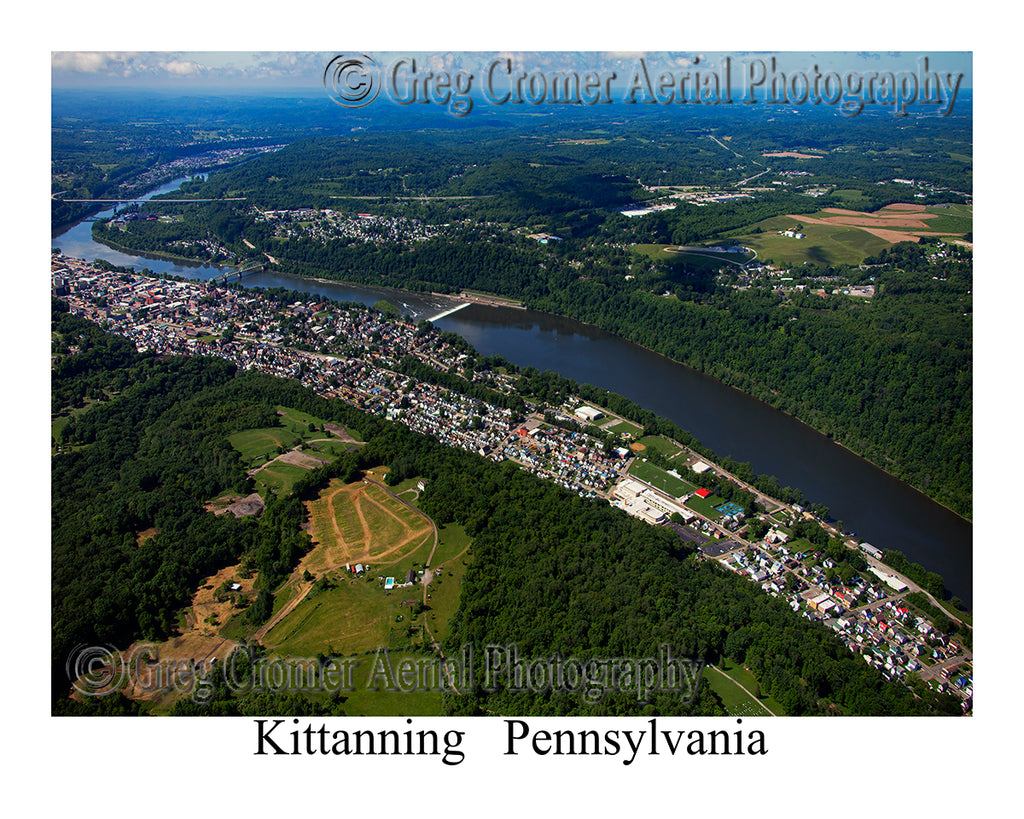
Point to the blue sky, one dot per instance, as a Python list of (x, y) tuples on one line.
[(193, 70)]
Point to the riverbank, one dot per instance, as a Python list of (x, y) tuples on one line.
[(158, 254), (824, 429)]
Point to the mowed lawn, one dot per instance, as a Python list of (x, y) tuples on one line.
[(723, 681), (696, 260), (259, 445), (660, 479), (280, 477)]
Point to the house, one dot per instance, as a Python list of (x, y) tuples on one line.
[(703, 493)]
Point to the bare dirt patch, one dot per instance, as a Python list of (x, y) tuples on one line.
[(301, 459), (882, 223), (146, 534), (636, 446), (250, 505), (341, 432), (162, 671)]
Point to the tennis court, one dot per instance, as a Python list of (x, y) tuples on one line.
[(729, 508)]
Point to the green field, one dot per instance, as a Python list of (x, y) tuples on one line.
[(954, 219), (259, 445), (395, 683), (658, 444), (625, 427), (453, 557), (706, 506), (736, 701), (852, 199), (660, 479), (280, 477), (822, 245)]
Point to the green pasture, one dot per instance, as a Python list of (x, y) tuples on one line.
[(821, 245), (278, 476)]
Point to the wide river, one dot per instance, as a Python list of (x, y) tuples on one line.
[(879, 508)]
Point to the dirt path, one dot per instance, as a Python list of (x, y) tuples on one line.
[(742, 686), (287, 609)]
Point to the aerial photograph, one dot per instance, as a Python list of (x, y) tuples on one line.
[(621, 399)]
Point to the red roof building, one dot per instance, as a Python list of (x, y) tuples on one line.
[(703, 493)]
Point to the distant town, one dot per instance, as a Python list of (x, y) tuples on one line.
[(355, 354)]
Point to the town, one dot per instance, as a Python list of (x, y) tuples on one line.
[(356, 354)]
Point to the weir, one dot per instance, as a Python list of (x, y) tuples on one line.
[(449, 312)]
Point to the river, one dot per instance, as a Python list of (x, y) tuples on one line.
[(879, 508)]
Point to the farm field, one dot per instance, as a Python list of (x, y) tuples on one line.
[(840, 236)]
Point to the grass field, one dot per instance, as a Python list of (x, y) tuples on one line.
[(625, 427), (658, 444), (706, 506), (259, 445), (823, 244), (395, 683), (660, 479), (278, 476), (736, 701)]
